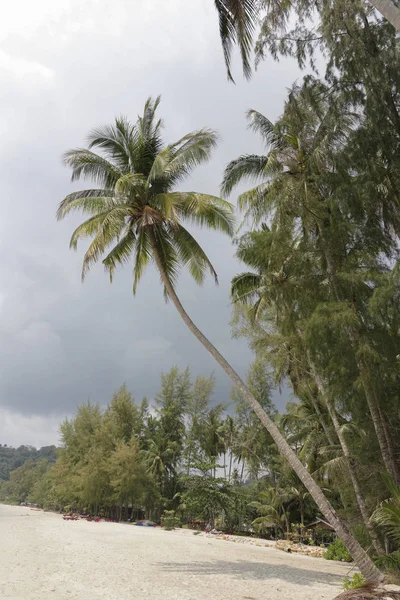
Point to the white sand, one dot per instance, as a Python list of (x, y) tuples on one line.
[(43, 557)]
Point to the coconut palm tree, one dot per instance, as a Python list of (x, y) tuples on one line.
[(137, 214)]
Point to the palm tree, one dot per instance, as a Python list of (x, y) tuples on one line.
[(238, 20), (137, 212), (273, 513), (300, 147)]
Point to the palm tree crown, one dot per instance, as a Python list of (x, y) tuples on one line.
[(134, 213)]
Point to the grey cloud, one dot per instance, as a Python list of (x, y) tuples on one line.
[(61, 342)]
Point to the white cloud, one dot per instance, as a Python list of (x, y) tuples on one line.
[(38, 431), (21, 67)]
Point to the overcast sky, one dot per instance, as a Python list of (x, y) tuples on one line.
[(65, 67)]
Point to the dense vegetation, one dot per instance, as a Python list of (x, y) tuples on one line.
[(12, 458), (205, 461)]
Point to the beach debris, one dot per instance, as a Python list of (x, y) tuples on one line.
[(370, 591)]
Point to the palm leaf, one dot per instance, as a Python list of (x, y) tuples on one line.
[(247, 166), (113, 140), (121, 253), (163, 245), (143, 256), (88, 165), (202, 210), (191, 254), (245, 286), (237, 21), (86, 201), (110, 229), (263, 126)]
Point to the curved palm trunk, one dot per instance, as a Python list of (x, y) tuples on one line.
[(389, 10), (361, 558)]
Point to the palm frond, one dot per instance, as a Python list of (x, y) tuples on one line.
[(121, 253), (192, 150), (86, 201), (201, 209), (247, 166), (86, 164), (245, 286), (110, 229), (237, 22), (388, 517), (162, 243), (336, 468), (113, 140), (130, 183), (87, 229), (143, 255), (263, 126), (191, 254)]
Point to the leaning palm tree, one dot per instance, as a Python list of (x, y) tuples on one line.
[(136, 215)]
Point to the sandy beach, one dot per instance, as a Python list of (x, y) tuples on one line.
[(44, 557)]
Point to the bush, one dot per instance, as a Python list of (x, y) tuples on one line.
[(170, 521), (390, 563), (354, 582), (337, 551)]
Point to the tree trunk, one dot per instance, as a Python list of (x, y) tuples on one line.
[(321, 418), (377, 420), (349, 462), (361, 558), (368, 384), (389, 10)]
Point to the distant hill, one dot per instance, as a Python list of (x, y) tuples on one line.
[(12, 458)]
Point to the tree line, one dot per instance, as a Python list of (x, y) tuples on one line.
[(209, 463)]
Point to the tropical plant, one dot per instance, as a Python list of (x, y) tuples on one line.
[(337, 551), (354, 582), (138, 214), (387, 515)]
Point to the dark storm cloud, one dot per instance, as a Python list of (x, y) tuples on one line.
[(61, 342)]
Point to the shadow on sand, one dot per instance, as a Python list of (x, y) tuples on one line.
[(253, 570)]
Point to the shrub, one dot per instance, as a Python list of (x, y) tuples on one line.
[(169, 520), (356, 581), (390, 563), (337, 551)]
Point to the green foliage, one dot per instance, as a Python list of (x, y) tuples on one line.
[(390, 563), (12, 458), (205, 497), (337, 551), (170, 520), (137, 215), (387, 515), (356, 581)]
